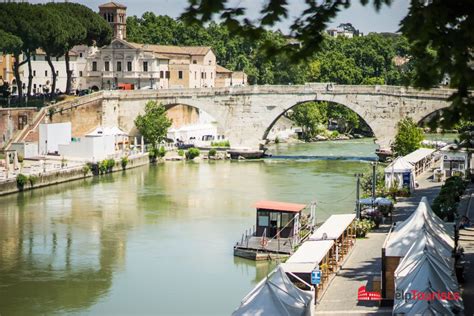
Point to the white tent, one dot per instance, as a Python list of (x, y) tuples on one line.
[(308, 256), (276, 295), (400, 172), (406, 233), (425, 269)]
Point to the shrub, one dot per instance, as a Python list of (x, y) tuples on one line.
[(124, 162), (363, 227), (192, 153), (63, 162), (446, 203), (212, 152), (21, 180), (110, 164), (86, 169), (277, 140), (334, 134), (224, 143), (103, 167), (162, 152), (32, 179), (180, 152), (152, 154)]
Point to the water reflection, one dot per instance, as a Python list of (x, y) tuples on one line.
[(154, 240)]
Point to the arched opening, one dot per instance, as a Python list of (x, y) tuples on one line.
[(192, 126), (433, 131), (318, 120)]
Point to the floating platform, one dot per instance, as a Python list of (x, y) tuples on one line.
[(247, 154)]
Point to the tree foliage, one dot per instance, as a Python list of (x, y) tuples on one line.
[(439, 32), (309, 117), (408, 138), (153, 124), (360, 60)]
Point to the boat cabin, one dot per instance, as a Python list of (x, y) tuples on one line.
[(278, 218)]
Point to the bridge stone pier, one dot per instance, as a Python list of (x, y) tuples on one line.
[(246, 114)]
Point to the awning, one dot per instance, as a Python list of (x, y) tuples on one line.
[(399, 165), (279, 206), (308, 256), (333, 227), (418, 155)]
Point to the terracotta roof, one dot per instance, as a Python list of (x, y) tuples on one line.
[(221, 69), (112, 5), (160, 49), (196, 50), (280, 206), (39, 51)]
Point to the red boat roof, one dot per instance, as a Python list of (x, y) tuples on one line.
[(280, 206)]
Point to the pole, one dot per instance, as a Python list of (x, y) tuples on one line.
[(358, 175), (374, 182)]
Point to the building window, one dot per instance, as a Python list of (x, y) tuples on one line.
[(145, 66), (211, 74), (210, 62), (80, 55), (119, 66), (34, 73), (107, 66), (80, 73), (45, 73), (94, 66), (22, 121), (162, 74), (167, 75), (203, 75), (34, 57), (57, 73), (129, 66), (57, 58), (195, 61), (180, 74)]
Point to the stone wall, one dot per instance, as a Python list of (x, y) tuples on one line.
[(60, 176), (9, 122)]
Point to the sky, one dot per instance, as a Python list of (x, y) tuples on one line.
[(366, 19)]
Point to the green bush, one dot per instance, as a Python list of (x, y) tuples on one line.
[(212, 152), (363, 227), (192, 153), (334, 134), (180, 152), (86, 169), (21, 180), (224, 143), (446, 203), (110, 164), (124, 162), (153, 154), (32, 179), (162, 152)]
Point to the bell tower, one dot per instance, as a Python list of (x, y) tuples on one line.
[(116, 15)]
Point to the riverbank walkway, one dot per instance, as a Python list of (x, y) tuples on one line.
[(365, 263)]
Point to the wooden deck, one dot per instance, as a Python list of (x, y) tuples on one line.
[(254, 243)]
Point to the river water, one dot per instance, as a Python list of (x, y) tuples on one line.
[(158, 239)]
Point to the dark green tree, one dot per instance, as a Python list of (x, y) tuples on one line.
[(309, 117)]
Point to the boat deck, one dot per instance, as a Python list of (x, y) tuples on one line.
[(277, 245)]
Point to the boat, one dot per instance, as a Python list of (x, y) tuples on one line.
[(280, 228), (384, 154)]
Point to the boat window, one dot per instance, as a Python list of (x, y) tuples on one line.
[(285, 219), (263, 220)]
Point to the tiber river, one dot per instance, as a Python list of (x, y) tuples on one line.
[(158, 239)]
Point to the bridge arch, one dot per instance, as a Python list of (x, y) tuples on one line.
[(291, 107)]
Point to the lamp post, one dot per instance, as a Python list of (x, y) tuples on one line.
[(358, 175), (374, 181)]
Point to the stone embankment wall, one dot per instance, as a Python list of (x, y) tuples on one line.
[(65, 175)]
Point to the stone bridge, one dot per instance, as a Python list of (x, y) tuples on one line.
[(246, 114)]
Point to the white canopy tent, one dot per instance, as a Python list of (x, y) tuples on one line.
[(333, 227), (308, 256), (276, 295), (406, 233), (401, 173), (425, 269)]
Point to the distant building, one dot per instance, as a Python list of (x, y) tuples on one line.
[(116, 15), (344, 30)]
